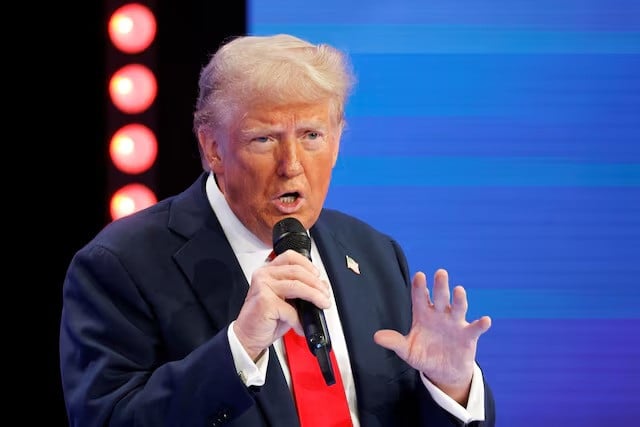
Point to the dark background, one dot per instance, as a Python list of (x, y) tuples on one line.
[(69, 144)]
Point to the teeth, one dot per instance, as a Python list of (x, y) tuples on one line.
[(288, 199)]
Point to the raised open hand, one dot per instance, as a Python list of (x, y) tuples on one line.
[(441, 343)]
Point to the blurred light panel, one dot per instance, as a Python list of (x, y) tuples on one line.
[(501, 140)]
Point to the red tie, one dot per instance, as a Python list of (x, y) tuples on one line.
[(318, 404)]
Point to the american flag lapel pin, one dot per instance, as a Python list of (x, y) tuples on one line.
[(353, 265)]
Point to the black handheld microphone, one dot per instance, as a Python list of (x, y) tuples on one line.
[(289, 233)]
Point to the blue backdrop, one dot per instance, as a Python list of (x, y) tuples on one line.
[(501, 140)]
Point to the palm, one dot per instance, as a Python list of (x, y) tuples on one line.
[(441, 343)]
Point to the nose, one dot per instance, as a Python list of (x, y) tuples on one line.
[(289, 158)]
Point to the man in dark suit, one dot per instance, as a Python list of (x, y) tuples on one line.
[(175, 315)]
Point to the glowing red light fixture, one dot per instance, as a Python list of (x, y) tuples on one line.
[(132, 28), (133, 88), (131, 198), (133, 148)]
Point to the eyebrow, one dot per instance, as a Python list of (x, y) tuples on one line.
[(272, 128)]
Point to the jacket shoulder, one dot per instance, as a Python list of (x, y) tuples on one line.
[(345, 224)]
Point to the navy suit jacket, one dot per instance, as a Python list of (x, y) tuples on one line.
[(147, 303)]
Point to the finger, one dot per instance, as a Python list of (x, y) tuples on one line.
[(290, 289), (291, 257), (459, 306), (299, 273), (291, 265), (441, 295), (479, 326), (420, 293), (393, 341), (291, 317)]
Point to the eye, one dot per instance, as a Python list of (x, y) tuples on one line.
[(261, 139), (313, 135)]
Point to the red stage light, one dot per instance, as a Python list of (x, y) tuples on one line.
[(131, 198), (132, 28), (133, 148), (133, 88)]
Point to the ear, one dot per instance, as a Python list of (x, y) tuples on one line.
[(209, 148)]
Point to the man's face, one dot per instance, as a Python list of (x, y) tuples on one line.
[(276, 162)]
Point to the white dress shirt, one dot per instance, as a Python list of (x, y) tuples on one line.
[(251, 254)]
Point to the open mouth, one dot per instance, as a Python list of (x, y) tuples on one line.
[(289, 197)]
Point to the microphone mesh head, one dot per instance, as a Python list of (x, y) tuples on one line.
[(289, 233)]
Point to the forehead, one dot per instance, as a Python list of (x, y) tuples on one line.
[(286, 114)]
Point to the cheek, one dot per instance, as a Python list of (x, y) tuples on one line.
[(322, 177), (249, 180)]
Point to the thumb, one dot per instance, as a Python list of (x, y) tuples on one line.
[(391, 340)]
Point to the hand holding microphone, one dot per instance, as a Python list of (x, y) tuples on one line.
[(269, 310), (289, 233)]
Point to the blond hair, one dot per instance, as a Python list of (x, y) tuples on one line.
[(277, 69)]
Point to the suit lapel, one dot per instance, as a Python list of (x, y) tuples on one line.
[(360, 320), (206, 258), (214, 274), (275, 398), (216, 277)]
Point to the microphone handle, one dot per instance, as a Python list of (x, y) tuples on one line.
[(317, 336), (293, 236)]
